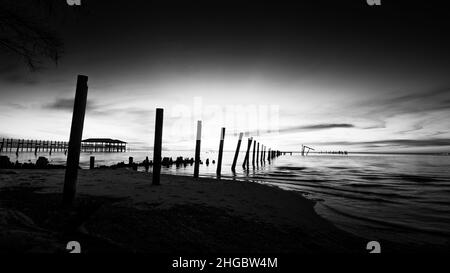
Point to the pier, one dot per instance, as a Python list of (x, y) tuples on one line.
[(103, 145), (10, 145), (31, 145)]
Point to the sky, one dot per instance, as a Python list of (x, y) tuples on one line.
[(334, 77)]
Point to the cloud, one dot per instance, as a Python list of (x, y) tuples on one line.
[(304, 128), (321, 126), (421, 102), (66, 104), (95, 109), (60, 104), (395, 142), (315, 127)]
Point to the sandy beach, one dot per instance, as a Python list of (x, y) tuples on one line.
[(120, 211)]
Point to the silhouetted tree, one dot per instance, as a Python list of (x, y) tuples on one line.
[(25, 30)]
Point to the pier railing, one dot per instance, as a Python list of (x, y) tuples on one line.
[(12, 145)]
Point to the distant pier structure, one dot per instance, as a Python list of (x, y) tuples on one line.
[(88, 145), (103, 145)]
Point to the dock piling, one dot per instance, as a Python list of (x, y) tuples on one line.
[(219, 159), (257, 154), (236, 154), (247, 154), (254, 150), (197, 148), (76, 132), (157, 146)]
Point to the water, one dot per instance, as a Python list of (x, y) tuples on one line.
[(402, 198)]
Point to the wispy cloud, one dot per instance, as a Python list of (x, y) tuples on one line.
[(420, 102), (317, 127), (303, 128), (60, 104), (396, 142)]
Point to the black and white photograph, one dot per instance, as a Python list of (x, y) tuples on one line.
[(232, 132)]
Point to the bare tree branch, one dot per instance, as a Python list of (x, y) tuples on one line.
[(25, 32)]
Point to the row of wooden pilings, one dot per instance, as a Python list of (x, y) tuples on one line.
[(258, 155), (28, 145), (260, 152)]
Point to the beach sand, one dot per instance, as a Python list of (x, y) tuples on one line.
[(120, 211)]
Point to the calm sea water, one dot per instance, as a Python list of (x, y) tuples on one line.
[(402, 198)]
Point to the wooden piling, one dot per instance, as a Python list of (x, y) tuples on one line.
[(92, 162), (1, 147), (157, 146), (254, 150), (257, 154), (130, 160), (197, 148), (264, 154), (76, 133), (236, 154), (247, 154), (219, 159)]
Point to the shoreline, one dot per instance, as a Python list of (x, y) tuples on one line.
[(184, 214)]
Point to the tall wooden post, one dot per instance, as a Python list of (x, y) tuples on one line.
[(1, 147), (157, 146), (236, 154), (268, 155), (247, 154), (264, 154), (257, 154), (76, 132), (197, 148), (219, 159), (254, 150)]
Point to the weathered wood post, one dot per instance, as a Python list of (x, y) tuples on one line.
[(264, 154), (197, 148), (257, 154), (157, 146), (130, 160), (92, 162), (1, 147), (219, 159), (247, 154), (254, 150), (236, 154), (76, 132), (268, 155)]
